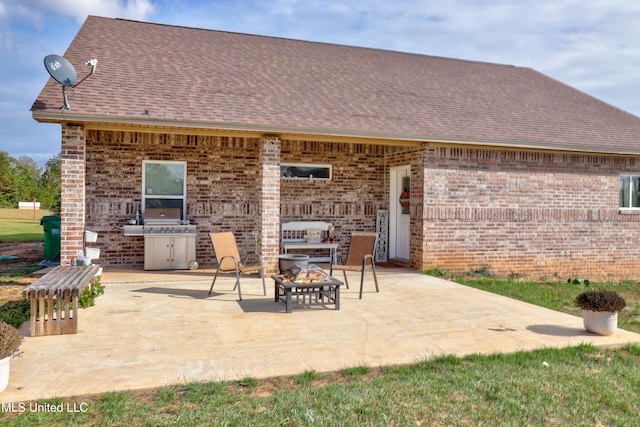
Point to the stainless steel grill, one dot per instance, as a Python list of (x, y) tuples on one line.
[(165, 221), (169, 242), (173, 229)]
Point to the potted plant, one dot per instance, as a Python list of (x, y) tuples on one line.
[(10, 340), (600, 310)]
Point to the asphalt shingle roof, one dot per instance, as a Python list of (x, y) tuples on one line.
[(191, 77)]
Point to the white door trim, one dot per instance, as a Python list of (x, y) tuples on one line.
[(396, 216)]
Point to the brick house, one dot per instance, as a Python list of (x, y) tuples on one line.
[(502, 166)]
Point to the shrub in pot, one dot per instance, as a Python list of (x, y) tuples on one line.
[(600, 310), (10, 340)]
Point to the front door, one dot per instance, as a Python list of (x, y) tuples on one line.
[(399, 212)]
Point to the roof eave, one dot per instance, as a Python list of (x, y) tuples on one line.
[(294, 132)]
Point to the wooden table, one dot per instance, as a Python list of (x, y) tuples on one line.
[(317, 293)]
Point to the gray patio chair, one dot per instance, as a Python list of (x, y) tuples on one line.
[(228, 257), (361, 253)]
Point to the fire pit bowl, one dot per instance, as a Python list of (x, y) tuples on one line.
[(305, 274), (287, 261)]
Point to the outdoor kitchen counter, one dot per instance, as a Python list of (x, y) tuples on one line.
[(133, 230), (167, 246)]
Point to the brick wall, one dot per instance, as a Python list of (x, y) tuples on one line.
[(270, 203), (72, 210), (527, 212), (517, 212), (350, 200), (224, 182), (222, 188)]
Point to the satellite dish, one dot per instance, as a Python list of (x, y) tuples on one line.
[(61, 70), (64, 73)]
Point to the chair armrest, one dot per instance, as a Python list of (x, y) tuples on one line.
[(251, 256), (365, 258), (235, 262)]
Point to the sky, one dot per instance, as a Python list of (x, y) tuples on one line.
[(592, 45)]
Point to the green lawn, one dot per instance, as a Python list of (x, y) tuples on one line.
[(21, 225), (580, 386)]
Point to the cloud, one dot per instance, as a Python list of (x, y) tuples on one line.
[(80, 9)]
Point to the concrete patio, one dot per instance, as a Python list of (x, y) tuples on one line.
[(153, 329)]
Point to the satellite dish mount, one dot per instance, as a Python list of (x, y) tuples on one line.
[(64, 73)]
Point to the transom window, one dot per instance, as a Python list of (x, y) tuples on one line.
[(630, 191), (306, 171), (164, 186)]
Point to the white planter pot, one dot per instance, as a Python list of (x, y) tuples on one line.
[(4, 373), (600, 322)]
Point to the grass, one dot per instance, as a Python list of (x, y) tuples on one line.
[(21, 225), (580, 385), (249, 382), (307, 377), (355, 371), (573, 386), (557, 295)]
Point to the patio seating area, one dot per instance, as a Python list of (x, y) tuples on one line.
[(155, 328)]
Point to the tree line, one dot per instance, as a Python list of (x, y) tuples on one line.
[(22, 180)]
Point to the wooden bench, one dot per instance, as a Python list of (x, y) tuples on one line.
[(54, 299), (295, 237)]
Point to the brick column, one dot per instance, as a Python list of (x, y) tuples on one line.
[(270, 149), (72, 211), (419, 203)]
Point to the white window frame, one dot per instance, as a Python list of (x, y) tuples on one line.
[(631, 190), (308, 165), (182, 197)]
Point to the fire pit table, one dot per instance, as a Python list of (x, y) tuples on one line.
[(309, 284)]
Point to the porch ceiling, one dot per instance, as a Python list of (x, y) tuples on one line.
[(323, 135)]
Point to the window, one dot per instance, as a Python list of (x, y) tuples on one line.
[(306, 171), (164, 186), (629, 191)]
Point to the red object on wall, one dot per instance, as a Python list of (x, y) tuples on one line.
[(404, 199)]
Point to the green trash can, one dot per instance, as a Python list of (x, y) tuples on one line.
[(51, 225)]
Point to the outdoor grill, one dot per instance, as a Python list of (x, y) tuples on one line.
[(167, 228), (165, 221), (169, 242)]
